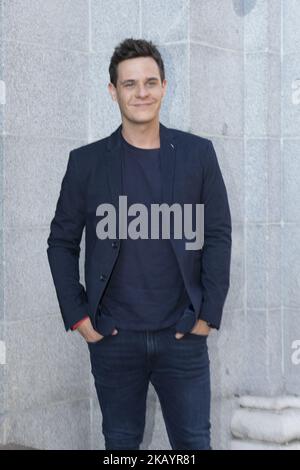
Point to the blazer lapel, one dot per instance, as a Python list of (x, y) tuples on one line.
[(168, 162)]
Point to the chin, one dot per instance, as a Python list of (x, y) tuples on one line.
[(143, 119)]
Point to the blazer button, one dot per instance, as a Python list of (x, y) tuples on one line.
[(114, 244), (103, 277)]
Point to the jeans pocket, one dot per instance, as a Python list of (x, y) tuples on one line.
[(105, 323), (197, 335)]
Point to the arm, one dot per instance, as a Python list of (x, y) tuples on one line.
[(64, 247), (216, 252)]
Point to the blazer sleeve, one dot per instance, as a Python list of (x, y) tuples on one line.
[(64, 246), (216, 250)]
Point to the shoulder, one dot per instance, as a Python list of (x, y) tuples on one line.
[(86, 156), (82, 160), (200, 147), (90, 149), (188, 138)]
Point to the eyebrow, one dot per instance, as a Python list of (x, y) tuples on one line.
[(132, 80)]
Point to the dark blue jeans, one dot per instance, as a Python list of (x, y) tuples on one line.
[(178, 369)]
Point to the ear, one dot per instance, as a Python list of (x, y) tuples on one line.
[(112, 91)]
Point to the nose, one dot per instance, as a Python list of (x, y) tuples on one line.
[(141, 91)]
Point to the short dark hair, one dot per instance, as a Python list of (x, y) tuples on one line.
[(131, 48)]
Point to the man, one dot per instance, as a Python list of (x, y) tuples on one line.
[(149, 302)]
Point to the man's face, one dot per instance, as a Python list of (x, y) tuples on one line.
[(139, 90)]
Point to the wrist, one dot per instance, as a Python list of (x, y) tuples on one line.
[(85, 325), (77, 324), (203, 326)]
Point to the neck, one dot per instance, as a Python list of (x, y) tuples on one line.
[(144, 135)]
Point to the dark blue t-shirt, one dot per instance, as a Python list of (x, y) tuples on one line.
[(146, 289)]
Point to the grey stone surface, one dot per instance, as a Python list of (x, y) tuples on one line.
[(227, 354), (176, 59), (262, 372), (3, 389), (56, 24), (262, 96), (46, 365), (1, 278), (256, 265), (29, 292), (263, 265), (290, 24), (3, 371), (290, 83), (263, 180), (291, 180), (47, 91), (255, 379), (291, 341), (165, 22), (101, 103), (58, 426), (236, 294), (276, 351), (233, 78), (230, 153), (264, 423), (97, 442), (290, 266), (262, 24), (46, 162), (12, 446), (45, 385), (217, 74), (1, 180), (204, 18), (222, 408), (111, 22)]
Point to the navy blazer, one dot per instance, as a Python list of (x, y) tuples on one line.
[(190, 174)]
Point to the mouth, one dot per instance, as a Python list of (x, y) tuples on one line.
[(142, 104)]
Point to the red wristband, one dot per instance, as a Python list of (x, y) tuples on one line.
[(78, 323)]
